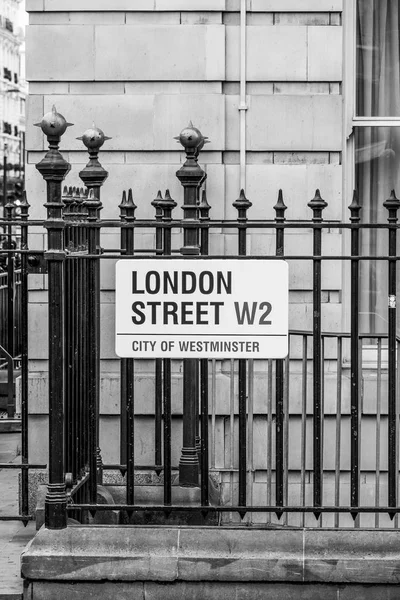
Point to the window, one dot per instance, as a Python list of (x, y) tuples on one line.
[(376, 142)]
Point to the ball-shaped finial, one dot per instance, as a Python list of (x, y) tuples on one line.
[(94, 138), (191, 137), (53, 123)]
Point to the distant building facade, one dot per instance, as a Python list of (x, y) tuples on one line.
[(13, 90)]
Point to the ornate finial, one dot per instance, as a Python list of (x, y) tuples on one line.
[(94, 138), (280, 207), (242, 204), (93, 175), (53, 124), (191, 138), (317, 205), (355, 208), (53, 167)]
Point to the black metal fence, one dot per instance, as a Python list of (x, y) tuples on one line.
[(73, 261), (14, 259)]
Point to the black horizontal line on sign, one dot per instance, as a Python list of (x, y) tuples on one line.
[(207, 334)]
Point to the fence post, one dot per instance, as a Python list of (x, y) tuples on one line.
[(24, 356), (392, 205), (158, 366), (9, 213), (167, 205), (279, 208), (191, 176), (93, 176), (53, 169), (317, 205), (242, 205), (355, 208)]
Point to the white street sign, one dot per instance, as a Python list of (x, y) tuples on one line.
[(197, 308)]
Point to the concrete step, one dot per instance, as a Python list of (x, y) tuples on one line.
[(10, 425)]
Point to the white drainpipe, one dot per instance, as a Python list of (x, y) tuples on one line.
[(243, 103)]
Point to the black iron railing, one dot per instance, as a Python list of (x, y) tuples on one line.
[(283, 482)]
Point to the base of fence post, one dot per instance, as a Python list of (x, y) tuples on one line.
[(56, 507)]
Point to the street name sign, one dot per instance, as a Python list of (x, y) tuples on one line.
[(198, 308)]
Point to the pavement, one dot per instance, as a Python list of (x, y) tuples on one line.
[(14, 536)]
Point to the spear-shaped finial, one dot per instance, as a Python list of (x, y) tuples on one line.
[(317, 205), (355, 208), (280, 207)]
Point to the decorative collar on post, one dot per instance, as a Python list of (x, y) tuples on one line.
[(93, 175), (53, 166)]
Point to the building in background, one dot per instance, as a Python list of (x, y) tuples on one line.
[(292, 94), (12, 94)]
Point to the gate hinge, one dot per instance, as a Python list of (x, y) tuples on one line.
[(37, 263)]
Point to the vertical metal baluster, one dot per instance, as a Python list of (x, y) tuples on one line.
[(286, 425), (321, 519), (93, 176), (378, 430), (67, 199), (167, 205), (269, 437), (303, 441), (53, 169), (85, 338), (392, 205), (213, 409), (355, 373), (9, 210), (279, 377), (80, 328), (204, 431), (242, 204), (338, 436), (231, 430), (191, 175), (204, 210), (24, 357), (250, 436), (158, 361), (129, 209), (123, 443), (75, 334), (317, 204), (396, 518)]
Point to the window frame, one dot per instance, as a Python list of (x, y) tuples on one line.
[(350, 123)]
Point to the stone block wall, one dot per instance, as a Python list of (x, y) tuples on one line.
[(141, 70)]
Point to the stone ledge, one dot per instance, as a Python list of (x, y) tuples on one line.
[(168, 554)]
